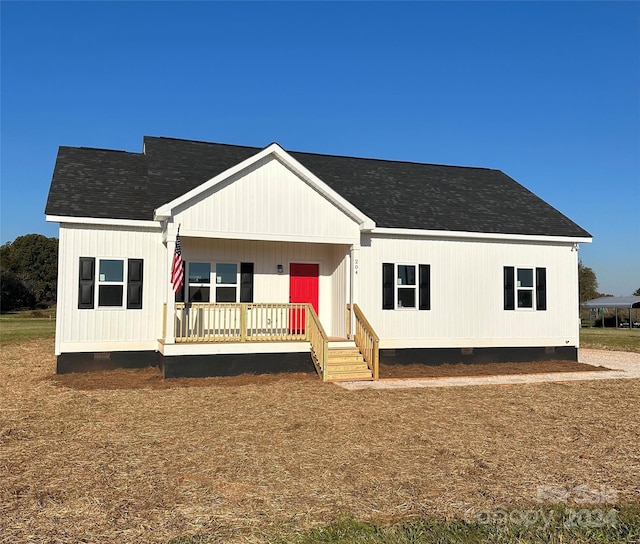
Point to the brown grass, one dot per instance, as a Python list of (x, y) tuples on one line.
[(240, 457)]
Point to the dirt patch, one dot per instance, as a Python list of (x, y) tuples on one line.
[(151, 378), (449, 370)]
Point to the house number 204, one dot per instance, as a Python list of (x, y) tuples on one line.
[(355, 266)]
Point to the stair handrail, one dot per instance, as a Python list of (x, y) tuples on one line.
[(367, 341), (318, 339)]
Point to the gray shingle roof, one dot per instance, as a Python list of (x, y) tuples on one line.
[(116, 184), (99, 183)]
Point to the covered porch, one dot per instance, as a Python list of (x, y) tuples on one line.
[(249, 327), (270, 258)]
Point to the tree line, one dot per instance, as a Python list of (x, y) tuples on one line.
[(28, 272)]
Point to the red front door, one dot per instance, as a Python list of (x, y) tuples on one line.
[(303, 288)]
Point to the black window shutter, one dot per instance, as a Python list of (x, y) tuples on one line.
[(541, 288), (180, 294), (86, 284), (246, 282), (509, 289), (424, 286), (387, 286), (134, 284)]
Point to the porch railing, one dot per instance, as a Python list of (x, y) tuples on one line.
[(319, 342), (367, 341), (240, 322)]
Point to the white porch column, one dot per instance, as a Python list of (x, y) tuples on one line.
[(170, 333), (354, 259)]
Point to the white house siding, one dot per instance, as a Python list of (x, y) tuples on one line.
[(109, 329), (269, 286), (266, 202), (467, 294), (341, 287)]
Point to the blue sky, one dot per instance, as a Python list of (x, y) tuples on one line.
[(547, 92)]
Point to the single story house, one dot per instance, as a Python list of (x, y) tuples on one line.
[(293, 258)]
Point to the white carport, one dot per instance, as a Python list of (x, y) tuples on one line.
[(613, 302)]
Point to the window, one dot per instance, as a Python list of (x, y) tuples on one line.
[(233, 282), (110, 282), (525, 288), (406, 282), (199, 282), (406, 286), (226, 282)]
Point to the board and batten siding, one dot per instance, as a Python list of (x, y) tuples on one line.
[(266, 201), (340, 280), (269, 286), (109, 329), (467, 294)]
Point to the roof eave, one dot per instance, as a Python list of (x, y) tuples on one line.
[(100, 221)]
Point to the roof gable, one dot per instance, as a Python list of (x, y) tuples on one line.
[(262, 200), (275, 152)]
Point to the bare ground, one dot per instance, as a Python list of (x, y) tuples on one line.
[(90, 459), (417, 370)]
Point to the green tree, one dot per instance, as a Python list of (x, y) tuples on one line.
[(33, 261), (587, 282), (13, 294), (636, 293)]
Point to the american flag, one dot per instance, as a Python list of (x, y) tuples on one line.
[(177, 273)]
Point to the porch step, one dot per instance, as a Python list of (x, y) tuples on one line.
[(350, 376), (346, 364), (345, 357)]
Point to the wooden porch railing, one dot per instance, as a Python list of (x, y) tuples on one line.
[(319, 342), (240, 322), (367, 341)]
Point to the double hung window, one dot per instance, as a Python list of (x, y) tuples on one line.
[(406, 286), (199, 278), (226, 282), (218, 282), (109, 281), (525, 288)]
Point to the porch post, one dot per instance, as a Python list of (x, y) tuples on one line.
[(354, 254), (170, 335)]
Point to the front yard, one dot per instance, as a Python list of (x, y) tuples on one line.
[(265, 458)]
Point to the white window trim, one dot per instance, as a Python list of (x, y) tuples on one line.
[(236, 285), (397, 286), (189, 285), (213, 281), (519, 288), (123, 283)]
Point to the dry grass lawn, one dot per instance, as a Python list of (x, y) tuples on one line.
[(241, 458)]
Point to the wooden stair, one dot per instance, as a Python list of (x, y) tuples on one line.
[(345, 363)]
